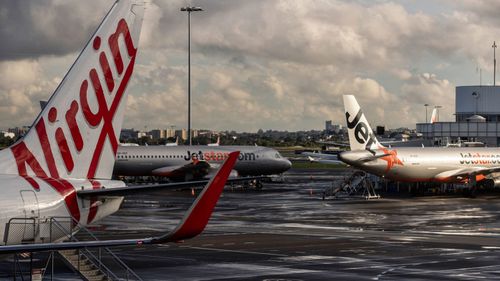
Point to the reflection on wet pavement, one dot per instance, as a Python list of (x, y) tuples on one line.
[(287, 232)]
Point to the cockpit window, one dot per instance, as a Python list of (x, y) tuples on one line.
[(277, 155)]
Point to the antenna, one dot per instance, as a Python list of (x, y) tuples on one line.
[(494, 46)]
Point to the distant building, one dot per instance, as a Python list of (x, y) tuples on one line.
[(19, 131), (380, 130), (158, 134), (128, 134), (477, 118), (170, 133), (328, 125), (182, 134), (332, 128)]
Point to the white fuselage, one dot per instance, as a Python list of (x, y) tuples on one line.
[(24, 205), (421, 164), (144, 160)]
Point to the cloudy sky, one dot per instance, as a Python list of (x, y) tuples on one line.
[(270, 64)]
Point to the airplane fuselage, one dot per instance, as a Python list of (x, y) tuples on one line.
[(143, 160), (31, 211), (417, 164)]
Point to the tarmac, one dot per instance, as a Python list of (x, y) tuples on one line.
[(287, 232)]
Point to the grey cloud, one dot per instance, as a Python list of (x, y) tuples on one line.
[(47, 27), (266, 64)]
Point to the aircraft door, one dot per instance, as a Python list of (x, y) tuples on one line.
[(31, 214), (30, 202)]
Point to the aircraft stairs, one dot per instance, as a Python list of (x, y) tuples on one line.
[(357, 185), (92, 264)]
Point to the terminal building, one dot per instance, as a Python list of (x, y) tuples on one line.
[(477, 118)]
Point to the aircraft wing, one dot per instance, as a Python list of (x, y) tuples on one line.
[(465, 173), (324, 161), (198, 169), (373, 157), (191, 225), (135, 189), (339, 144)]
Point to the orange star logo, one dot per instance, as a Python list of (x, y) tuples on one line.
[(391, 158)]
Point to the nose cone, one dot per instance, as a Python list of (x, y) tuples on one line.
[(286, 164), (280, 165)]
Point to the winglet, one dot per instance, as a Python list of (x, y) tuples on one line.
[(197, 216)]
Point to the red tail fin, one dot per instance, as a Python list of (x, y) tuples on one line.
[(197, 217)]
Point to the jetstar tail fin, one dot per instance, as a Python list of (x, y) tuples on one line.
[(76, 133), (361, 135)]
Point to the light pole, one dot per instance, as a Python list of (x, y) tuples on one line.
[(426, 105), (189, 9)]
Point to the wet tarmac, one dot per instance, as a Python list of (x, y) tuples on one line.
[(287, 232)]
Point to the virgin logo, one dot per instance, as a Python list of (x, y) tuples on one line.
[(102, 116)]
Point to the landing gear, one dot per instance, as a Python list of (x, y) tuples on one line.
[(257, 184), (469, 192), (472, 187)]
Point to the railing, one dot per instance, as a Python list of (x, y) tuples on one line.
[(357, 184), (20, 231), (57, 229), (96, 255)]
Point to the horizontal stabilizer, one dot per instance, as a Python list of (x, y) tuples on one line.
[(374, 157)]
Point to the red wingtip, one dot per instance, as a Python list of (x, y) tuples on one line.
[(197, 217)]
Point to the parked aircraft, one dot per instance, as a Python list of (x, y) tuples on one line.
[(182, 163), (62, 167), (323, 158), (416, 164)]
